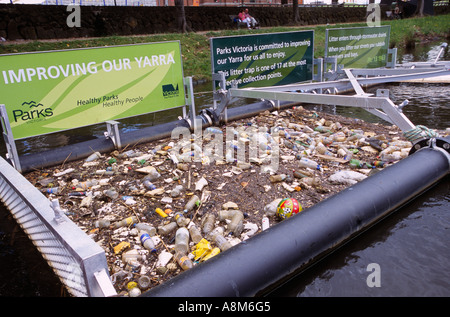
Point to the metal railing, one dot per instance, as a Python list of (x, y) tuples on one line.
[(76, 259)]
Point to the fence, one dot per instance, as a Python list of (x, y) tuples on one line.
[(76, 259)]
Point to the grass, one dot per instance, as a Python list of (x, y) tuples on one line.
[(195, 47)]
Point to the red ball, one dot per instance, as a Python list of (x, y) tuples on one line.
[(288, 207)]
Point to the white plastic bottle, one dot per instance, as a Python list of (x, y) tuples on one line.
[(182, 240), (306, 162)]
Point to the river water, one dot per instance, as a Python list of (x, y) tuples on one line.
[(410, 247)]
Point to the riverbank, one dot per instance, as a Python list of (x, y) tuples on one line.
[(195, 47)]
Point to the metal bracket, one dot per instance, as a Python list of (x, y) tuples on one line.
[(190, 102), (112, 133), (8, 137), (222, 95)]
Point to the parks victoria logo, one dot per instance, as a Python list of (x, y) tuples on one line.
[(169, 91), (32, 112)]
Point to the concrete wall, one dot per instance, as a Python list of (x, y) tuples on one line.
[(50, 22)]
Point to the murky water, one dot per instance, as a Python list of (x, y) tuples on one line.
[(410, 246)]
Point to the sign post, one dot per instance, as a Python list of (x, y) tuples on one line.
[(47, 92), (360, 47), (264, 59)]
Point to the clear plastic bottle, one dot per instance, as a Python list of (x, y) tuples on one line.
[(87, 184), (221, 242), (181, 220), (277, 178), (195, 233), (168, 228), (182, 240), (111, 193), (306, 162), (208, 223), (183, 261), (322, 149), (236, 224), (176, 191), (191, 203), (152, 175), (146, 227), (147, 241), (144, 282), (271, 208), (345, 153), (125, 222), (149, 185), (102, 223), (93, 157)]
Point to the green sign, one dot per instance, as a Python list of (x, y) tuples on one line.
[(264, 59), (362, 47), (52, 91)]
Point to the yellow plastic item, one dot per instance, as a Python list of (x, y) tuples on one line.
[(121, 246), (160, 212), (202, 249), (213, 252), (131, 285)]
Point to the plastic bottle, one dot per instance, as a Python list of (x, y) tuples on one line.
[(208, 223), (271, 208), (87, 184), (298, 174), (220, 240), (144, 282), (125, 222), (152, 175), (52, 190), (183, 261), (182, 240), (322, 149), (322, 129), (191, 203), (168, 228), (378, 163), (102, 223), (306, 162), (277, 178), (390, 157), (147, 241), (186, 156), (358, 164), (236, 216), (149, 185), (345, 153), (93, 157), (146, 228), (132, 256), (111, 193), (213, 130), (195, 233), (181, 220), (183, 166), (176, 191)]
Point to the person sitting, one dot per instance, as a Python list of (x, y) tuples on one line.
[(242, 17), (252, 20)]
